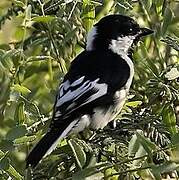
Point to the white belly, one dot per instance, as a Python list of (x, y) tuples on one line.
[(101, 118)]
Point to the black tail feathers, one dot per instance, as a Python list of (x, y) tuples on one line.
[(42, 148)]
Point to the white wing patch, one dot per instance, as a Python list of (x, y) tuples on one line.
[(71, 92), (121, 45)]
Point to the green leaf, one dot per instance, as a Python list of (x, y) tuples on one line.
[(2, 154), (19, 114), (6, 145), (12, 172), (133, 146), (168, 15), (147, 144), (19, 3), (16, 132), (175, 151), (24, 140), (82, 174), (44, 19), (140, 153), (21, 89), (169, 118), (134, 104), (28, 12), (78, 152), (172, 42), (4, 163), (172, 74), (88, 14), (147, 4), (165, 167), (6, 62), (109, 172)]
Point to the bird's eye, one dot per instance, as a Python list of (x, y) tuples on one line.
[(130, 29)]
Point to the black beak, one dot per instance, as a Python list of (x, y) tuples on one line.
[(145, 32)]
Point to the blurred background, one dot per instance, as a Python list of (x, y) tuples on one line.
[(38, 40)]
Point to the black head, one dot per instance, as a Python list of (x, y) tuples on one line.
[(113, 27)]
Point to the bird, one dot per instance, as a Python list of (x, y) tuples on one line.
[(95, 88)]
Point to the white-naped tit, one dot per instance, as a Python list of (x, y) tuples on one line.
[(96, 85)]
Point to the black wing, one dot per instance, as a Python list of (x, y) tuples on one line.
[(92, 76)]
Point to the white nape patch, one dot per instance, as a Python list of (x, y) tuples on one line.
[(90, 39), (121, 45), (65, 132)]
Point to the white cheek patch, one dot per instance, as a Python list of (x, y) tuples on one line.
[(121, 45)]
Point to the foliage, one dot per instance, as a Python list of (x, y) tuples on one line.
[(38, 40)]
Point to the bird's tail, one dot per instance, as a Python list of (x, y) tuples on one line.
[(48, 143), (44, 147)]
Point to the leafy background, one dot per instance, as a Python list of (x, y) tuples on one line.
[(38, 40)]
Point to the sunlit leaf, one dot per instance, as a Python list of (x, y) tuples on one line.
[(133, 103), (21, 89), (19, 115), (169, 118), (172, 74), (79, 153), (13, 172), (24, 140), (44, 19)]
